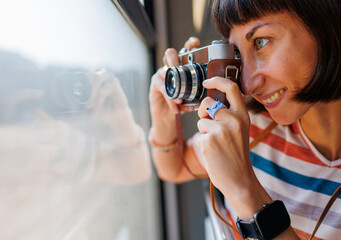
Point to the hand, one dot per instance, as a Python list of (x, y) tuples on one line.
[(224, 146), (224, 141), (162, 108)]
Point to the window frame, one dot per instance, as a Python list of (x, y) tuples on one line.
[(139, 17)]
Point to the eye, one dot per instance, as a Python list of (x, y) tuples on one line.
[(260, 43), (237, 54)]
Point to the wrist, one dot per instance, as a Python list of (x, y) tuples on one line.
[(162, 147), (267, 223), (163, 133), (247, 200), (161, 138)]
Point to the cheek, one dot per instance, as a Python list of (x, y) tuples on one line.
[(290, 71), (307, 69), (280, 68), (302, 63)]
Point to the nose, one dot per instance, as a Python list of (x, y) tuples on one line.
[(252, 79)]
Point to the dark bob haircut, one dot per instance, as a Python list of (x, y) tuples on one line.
[(322, 19)]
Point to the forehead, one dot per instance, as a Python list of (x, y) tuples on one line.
[(278, 21)]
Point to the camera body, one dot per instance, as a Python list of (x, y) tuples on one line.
[(185, 81)]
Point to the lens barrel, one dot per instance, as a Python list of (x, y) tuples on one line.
[(185, 82)]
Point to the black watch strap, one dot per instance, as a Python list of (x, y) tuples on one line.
[(247, 229), (268, 223)]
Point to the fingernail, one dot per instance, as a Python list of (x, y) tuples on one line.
[(178, 101)]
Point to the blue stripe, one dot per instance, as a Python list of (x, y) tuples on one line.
[(309, 183)]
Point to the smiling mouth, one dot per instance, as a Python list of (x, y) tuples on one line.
[(274, 97)]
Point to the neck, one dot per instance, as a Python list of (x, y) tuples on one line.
[(321, 124)]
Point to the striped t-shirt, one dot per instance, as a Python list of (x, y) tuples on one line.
[(291, 169)]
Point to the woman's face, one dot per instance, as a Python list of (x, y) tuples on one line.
[(279, 57)]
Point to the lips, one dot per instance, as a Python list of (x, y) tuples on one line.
[(273, 97)]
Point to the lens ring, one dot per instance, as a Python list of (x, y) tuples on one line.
[(183, 82), (201, 77), (172, 82), (195, 81)]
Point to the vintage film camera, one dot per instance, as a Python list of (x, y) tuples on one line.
[(185, 81)]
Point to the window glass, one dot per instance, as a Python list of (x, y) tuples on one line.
[(74, 81)]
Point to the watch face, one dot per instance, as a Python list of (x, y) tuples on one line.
[(272, 220)]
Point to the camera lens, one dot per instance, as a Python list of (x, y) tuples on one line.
[(70, 90), (80, 89), (185, 82), (172, 82)]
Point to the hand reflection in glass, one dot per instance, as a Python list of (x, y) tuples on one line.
[(102, 142)]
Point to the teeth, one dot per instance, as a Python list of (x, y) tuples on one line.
[(274, 97)]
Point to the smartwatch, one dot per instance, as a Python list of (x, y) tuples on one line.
[(267, 223)]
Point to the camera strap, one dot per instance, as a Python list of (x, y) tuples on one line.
[(325, 210), (256, 140)]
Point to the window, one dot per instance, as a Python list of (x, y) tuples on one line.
[(74, 80)]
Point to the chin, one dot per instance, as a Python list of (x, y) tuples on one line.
[(283, 119), (287, 114)]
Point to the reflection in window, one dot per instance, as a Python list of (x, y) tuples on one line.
[(73, 101)]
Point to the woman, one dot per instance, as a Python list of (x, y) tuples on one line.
[(291, 55)]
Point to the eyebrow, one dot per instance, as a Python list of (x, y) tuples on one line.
[(250, 34)]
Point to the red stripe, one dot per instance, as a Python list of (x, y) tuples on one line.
[(237, 236), (266, 114), (287, 148)]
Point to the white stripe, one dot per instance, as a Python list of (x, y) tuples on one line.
[(260, 119)]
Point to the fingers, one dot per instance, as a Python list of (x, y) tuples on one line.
[(221, 114), (225, 120), (171, 57), (237, 108), (158, 93), (192, 42), (157, 88), (206, 125), (231, 89), (206, 103)]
